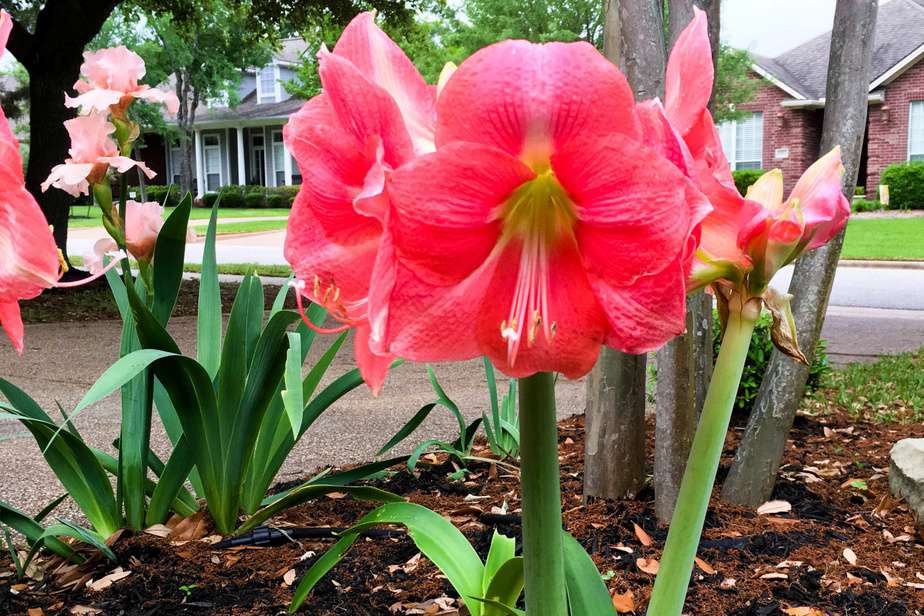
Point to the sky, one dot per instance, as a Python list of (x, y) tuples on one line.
[(770, 27)]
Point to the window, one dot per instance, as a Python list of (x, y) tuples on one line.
[(296, 173), (176, 164), (267, 84), (916, 131), (743, 141), (257, 158), (279, 158), (211, 146)]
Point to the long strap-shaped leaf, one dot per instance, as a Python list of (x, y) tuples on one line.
[(587, 594), (433, 534), (32, 531), (169, 258), (208, 320)]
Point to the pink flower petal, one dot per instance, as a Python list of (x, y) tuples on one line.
[(689, 76), (383, 63), (94, 100), (445, 222), (824, 207), (163, 97), (635, 209), (365, 109), (530, 100), (11, 321), (372, 366), (69, 177)]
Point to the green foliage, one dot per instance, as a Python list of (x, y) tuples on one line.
[(167, 196), (758, 361), (888, 389), (866, 205), (502, 426), (745, 177), (884, 238), (734, 85), (252, 197), (499, 578), (906, 185)]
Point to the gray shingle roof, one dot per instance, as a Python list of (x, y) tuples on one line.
[(899, 31), (250, 110)]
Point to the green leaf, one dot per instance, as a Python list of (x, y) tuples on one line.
[(280, 301), (501, 608), (69, 529), (167, 493), (169, 258), (587, 594), (502, 549), (292, 394), (408, 428), (32, 531), (435, 537), (311, 491), (208, 321), (504, 586)]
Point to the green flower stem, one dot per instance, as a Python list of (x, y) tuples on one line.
[(542, 544), (686, 527)]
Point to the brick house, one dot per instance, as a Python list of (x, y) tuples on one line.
[(783, 127)]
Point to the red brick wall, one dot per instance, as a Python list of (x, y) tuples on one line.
[(888, 124), (799, 130)]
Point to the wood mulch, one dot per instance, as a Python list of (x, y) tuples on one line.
[(837, 544)]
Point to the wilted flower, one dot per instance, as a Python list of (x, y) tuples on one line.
[(92, 152), (112, 82)]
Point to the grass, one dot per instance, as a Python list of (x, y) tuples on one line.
[(885, 239), (254, 226), (79, 215), (889, 389), (239, 269)]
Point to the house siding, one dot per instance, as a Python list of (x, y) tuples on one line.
[(888, 124), (798, 130)]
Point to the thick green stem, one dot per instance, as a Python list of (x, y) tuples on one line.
[(670, 588), (542, 544)]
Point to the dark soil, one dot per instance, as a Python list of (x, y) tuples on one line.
[(94, 302), (792, 563)]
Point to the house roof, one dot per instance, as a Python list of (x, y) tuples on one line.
[(899, 39), (293, 49), (249, 109)]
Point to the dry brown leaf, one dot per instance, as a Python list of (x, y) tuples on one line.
[(728, 584), (775, 506), (158, 530), (85, 610), (105, 582), (643, 537), (648, 565), (850, 556), (706, 567), (774, 576), (854, 580), (288, 577), (36, 611), (194, 527), (802, 611), (624, 603)]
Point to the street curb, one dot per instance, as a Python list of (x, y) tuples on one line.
[(909, 265)]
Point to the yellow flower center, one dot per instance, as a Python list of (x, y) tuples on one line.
[(539, 210)]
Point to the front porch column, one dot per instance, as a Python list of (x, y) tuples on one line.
[(241, 167), (200, 174), (287, 164)]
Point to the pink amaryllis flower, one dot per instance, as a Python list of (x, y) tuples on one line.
[(742, 238), (112, 83), (28, 254), (143, 222), (92, 152), (543, 226), (375, 114)]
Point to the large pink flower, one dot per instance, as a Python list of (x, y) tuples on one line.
[(375, 114), (543, 226), (112, 81), (742, 237), (92, 152), (28, 255)]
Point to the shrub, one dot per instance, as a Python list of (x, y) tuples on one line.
[(866, 205), (275, 200), (209, 199), (745, 177), (759, 360), (255, 200), (906, 185), (168, 196)]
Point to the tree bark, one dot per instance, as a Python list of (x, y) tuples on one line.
[(753, 473), (615, 415), (52, 55), (684, 363)]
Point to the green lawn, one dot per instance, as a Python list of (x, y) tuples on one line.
[(889, 389), (79, 219), (884, 239), (255, 226)]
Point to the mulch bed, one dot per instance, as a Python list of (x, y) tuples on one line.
[(845, 547)]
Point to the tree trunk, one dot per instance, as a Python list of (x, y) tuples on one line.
[(684, 363), (754, 471), (615, 415), (52, 55)]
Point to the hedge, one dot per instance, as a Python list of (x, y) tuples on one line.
[(745, 177), (906, 185), (251, 197), (866, 205), (168, 196)]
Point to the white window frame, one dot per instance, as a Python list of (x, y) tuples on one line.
[(253, 155), (277, 89), (176, 155), (912, 155), (277, 132), (731, 148), (205, 161)]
